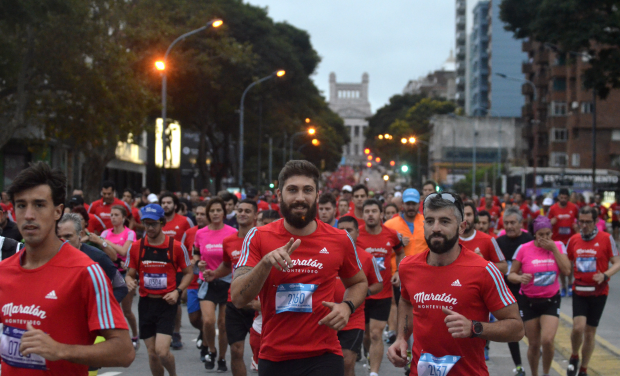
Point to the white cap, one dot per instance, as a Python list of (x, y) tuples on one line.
[(152, 198), (548, 201), (347, 188), (397, 194)]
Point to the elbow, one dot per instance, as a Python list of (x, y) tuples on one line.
[(519, 333), (128, 358), (237, 301)]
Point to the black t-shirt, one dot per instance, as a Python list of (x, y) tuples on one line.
[(9, 247), (11, 231), (510, 245), (119, 289)]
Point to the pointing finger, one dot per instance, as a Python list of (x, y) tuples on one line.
[(330, 305), (294, 246), (447, 311)]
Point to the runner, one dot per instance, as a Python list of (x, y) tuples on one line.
[(590, 253), (102, 207), (381, 242), (447, 294), (129, 198), (482, 244), (351, 337), (563, 216), (390, 211), (9, 247), (155, 259), (299, 257), (509, 243), (536, 265), (8, 228), (238, 320), (231, 213), (347, 194), (488, 205), (55, 300), (360, 195), (428, 187), (343, 207), (519, 201), (208, 254), (602, 209), (484, 223), (327, 209)]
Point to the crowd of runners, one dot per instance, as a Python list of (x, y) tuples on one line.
[(317, 278)]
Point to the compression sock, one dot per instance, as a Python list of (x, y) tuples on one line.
[(583, 370), (574, 357), (515, 352)]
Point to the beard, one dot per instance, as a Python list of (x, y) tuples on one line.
[(445, 246), (296, 220), (470, 227)]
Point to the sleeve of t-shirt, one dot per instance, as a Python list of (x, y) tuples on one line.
[(612, 249), (398, 240), (225, 255), (131, 236), (495, 293), (250, 250), (133, 254), (104, 234), (570, 251), (351, 264), (403, 273), (551, 213), (561, 247), (371, 269), (181, 257), (496, 253), (197, 243), (103, 310), (518, 256)]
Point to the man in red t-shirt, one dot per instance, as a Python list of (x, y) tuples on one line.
[(380, 241), (590, 252), (102, 207), (602, 209), (360, 195), (482, 244), (488, 195), (55, 300), (155, 259), (519, 201), (292, 265), (135, 223), (238, 320), (448, 292), (493, 210), (615, 216), (351, 336), (563, 215)]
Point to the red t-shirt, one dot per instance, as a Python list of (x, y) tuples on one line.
[(70, 298), (470, 286), (526, 212), (381, 247), (602, 211), (486, 244), (563, 229), (495, 212), (590, 257), (156, 267), (373, 275), (483, 201), (135, 213), (190, 235), (177, 227), (95, 224), (291, 302), (264, 205), (360, 221), (102, 210), (232, 252), (615, 212)]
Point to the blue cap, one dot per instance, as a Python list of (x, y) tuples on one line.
[(411, 195), (152, 211)]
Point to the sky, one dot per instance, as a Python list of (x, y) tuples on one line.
[(394, 41)]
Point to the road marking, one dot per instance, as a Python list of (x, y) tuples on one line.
[(109, 374)]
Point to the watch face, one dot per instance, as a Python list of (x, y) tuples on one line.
[(478, 327)]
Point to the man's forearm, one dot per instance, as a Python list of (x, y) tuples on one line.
[(188, 275), (222, 271), (405, 319), (399, 258), (247, 283), (356, 293), (507, 329), (116, 351)]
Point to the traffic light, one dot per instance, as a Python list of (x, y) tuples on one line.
[(404, 168), (271, 185), (378, 160)]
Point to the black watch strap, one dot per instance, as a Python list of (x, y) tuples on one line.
[(351, 305), (180, 291), (476, 329)]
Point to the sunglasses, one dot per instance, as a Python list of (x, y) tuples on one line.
[(456, 200)]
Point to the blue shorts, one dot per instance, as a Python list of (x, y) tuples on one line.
[(193, 304)]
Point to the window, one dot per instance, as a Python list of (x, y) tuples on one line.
[(558, 159), (347, 150), (559, 84), (349, 130), (357, 149), (586, 107), (357, 131), (615, 135), (559, 135), (575, 160), (557, 109)]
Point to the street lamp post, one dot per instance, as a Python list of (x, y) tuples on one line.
[(161, 66), (310, 131), (279, 73)]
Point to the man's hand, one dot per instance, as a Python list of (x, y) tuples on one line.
[(598, 277), (338, 318), (458, 325), (202, 265), (553, 221), (397, 353), (526, 278), (280, 258), (131, 283), (36, 341), (477, 251), (254, 304), (208, 275), (395, 280), (171, 297), (405, 240)]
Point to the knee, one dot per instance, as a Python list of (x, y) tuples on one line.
[(376, 335), (208, 322), (590, 333), (236, 350), (547, 342), (162, 352)]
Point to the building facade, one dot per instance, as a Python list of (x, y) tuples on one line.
[(350, 102), (461, 51), (479, 61), (438, 84)]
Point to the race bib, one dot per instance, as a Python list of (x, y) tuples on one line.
[(586, 264), (544, 278), (295, 297), (564, 231), (428, 365), (380, 263), (10, 341), (509, 262), (155, 281)]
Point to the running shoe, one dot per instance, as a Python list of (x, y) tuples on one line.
[(221, 366), (135, 341), (573, 363), (204, 351), (519, 371), (486, 354), (563, 292), (210, 361), (254, 366), (199, 340), (176, 343)]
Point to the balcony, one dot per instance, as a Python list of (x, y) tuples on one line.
[(557, 96), (526, 46), (541, 81), (541, 57), (460, 52), (460, 21), (526, 111), (526, 89), (461, 7), (460, 36), (558, 71), (526, 67)]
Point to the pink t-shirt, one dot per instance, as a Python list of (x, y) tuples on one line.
[(209, 243), (119, 239), (541, 264)]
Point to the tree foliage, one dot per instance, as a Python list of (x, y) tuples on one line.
[(574, 25)]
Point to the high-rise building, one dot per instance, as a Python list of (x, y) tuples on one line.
[(479, 61), (350, 102), (461, 51)]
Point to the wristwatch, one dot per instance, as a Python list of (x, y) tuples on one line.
[(104, 244), (180, 292), (476, 329)]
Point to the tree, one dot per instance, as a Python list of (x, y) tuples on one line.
[(573, 25)]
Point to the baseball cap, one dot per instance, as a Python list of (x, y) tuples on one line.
[(152, 211), (251, 193), (76, 200), (347, 188), (548, 201), (411, 195), (152, 198)]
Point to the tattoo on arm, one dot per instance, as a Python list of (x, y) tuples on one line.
[(242, 270)]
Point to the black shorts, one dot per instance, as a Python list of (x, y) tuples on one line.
[(238, 323), (217, 292), (532, 308), (589, 306), (615, 224), (377, 309), (396, 294), (327, 364), (155, 316), (351, 339)]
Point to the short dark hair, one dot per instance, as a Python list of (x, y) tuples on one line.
[(213, 201), (348, 218), (227, 196), (108, 184), (81, 210), (175, 199), (246, 201), (436, 202), (589, 210), (357, 187), (201, 204), (270, 214), (326, 198), (131, 192), (40, 173), (391, 204), (484, 213), (472, 206), (372, 201), (563, 191), (343, 199), (298, 168), (430, 182)]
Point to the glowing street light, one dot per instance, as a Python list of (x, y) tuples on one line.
[(368, 164), (366, 151), (380, 137), (412, 140), (386, 177), (403, 140), (378, 160), (370, 157), (307, 120), (311, 131), (160, 65), (217, 23), (392, 163), (316, 142)]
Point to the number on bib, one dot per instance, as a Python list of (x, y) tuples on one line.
[(586, 264), (155, 281), (429, 365), (380, 263), (10, 342), (544, 278), (295, 297)]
